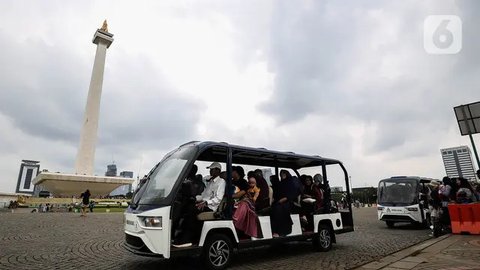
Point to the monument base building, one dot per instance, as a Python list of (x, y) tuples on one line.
[(60, 184)]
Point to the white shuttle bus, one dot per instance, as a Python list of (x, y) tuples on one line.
[(150, 220), (404, 199)]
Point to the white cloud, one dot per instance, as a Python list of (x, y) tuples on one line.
[(346, 80)]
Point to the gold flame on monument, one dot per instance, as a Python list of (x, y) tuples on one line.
[(104, 26)]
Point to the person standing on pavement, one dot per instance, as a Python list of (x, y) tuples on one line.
[(85, 202)]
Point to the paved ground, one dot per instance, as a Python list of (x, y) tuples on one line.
[(449, 252), (67, 241), (461, 252)]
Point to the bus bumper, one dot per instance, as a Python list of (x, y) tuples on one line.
[(399, 214), (148, 241)]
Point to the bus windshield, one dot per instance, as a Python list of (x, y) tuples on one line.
[(398, 192), (164, 177)]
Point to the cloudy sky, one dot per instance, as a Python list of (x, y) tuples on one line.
[(343, 79)]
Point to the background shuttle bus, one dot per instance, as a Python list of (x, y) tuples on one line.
[(404, 199)]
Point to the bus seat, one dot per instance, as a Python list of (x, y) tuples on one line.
[(206, 216), (218, 214)]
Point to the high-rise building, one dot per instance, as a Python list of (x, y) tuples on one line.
[(458, 162), (29, 169), (111, 170)]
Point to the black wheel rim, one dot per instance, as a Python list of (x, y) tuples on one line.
[(324, 238), (218, 253)]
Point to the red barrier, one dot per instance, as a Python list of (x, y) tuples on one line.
[(465, 218)]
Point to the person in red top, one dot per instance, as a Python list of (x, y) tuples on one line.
[(312, 202)]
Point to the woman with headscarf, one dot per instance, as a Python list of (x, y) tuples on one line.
[(312, 201), (283, 196)]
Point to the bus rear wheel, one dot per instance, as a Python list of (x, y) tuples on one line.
[(390, 224), (322, 241), (218, 251)]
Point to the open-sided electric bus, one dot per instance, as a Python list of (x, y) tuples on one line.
[(404, 199), (148, 220)]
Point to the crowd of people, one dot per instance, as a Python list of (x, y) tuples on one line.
[(458, 190), (252, 196), (451, 190)]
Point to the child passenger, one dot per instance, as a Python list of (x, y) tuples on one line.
[(253, 191)]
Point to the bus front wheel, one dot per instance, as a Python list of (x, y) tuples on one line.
[(218, 251), (390, 224)]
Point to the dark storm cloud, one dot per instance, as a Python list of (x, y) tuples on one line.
[(39, 89), (315, 50), (44, 92)]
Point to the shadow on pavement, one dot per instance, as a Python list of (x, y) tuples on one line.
[(254, 255)]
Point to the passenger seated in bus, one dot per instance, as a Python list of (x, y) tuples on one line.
[(283, 194), (238, 181), (327, 197), (208, 201), (198, 186), (312, 201), (253, 191), (215, 189), (299, 185), (274, 181), (185, 200), (317, 179), (244, 217), (263, 200)]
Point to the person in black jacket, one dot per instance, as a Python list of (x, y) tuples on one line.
[(263, 200), (85, 202), (284, 193)]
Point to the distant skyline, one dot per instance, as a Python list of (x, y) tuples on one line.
[(343, 79)]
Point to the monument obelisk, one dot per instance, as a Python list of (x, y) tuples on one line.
[(83, 178), (88, 137)]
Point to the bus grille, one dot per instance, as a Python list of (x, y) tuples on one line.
[(133, 241), (397, 218)]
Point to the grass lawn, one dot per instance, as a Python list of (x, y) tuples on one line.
[(112, 209)]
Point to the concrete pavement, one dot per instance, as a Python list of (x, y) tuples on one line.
[(449, 252), (67, 241)]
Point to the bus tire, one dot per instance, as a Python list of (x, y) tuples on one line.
[(322, 241), (390, 224), (217, 252)]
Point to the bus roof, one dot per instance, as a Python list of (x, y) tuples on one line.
[(263, 156), (418, 178)]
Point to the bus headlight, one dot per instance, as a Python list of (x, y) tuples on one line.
[(412, 209), (379, 208), (155, 222)]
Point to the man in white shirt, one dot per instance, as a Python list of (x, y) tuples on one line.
[(214, 190)]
